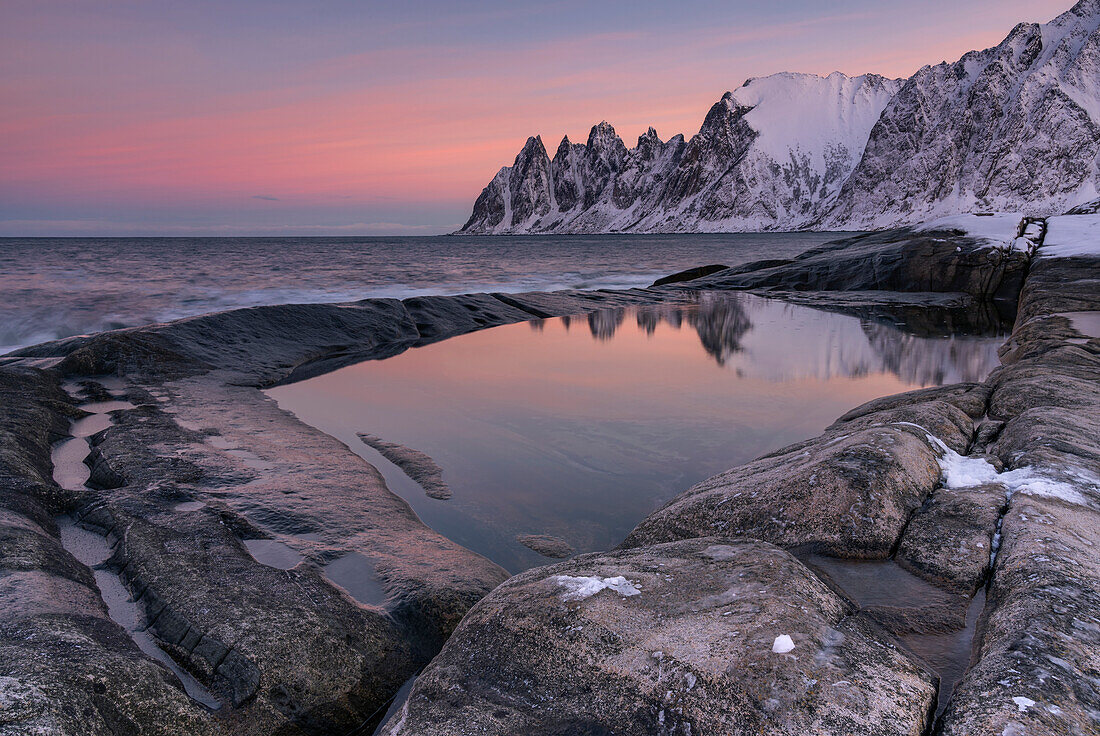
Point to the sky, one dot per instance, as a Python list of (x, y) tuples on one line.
[(264, 117)]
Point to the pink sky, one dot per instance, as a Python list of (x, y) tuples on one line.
[(144, 118)]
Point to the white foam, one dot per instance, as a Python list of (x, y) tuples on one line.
[(583, 587)]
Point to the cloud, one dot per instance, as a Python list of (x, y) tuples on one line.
[(265, 197)]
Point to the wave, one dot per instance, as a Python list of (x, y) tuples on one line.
[(31, 324)]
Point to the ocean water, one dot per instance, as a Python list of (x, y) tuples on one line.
[(57, 287)]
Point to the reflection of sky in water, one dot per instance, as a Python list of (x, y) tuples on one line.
[(579, 427)]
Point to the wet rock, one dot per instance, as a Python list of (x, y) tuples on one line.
[(892, 260), (437, 317), (67, 668), (691, 274), (223, 613), (546, 545), (950, 539), (899, 601), (415, 464), (682, 638)]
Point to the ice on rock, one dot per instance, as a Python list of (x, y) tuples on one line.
[(1067, 483), (782, 644), (577, 587)]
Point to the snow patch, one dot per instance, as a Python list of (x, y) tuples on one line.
[(1000, 228), (960, 472), (1072, 235), (577, 588), (819, 118), (1023, 703), (782, 644)]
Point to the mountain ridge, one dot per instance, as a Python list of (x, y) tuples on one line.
[(1016, 125)]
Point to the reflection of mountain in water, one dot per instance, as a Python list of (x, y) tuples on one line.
[(721, 323), (772, 340), (929, 360), (605, 322)]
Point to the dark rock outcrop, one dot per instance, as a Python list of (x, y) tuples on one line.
[(893, 260)]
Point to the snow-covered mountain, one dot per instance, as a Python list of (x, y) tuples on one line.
[(1012, 127), (770, 155)]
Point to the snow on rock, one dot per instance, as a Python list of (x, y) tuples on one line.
[(1072, 235), (577, 588), (1023, 703), (1073, 485), (997, 228), (782, 644), (771, 155)]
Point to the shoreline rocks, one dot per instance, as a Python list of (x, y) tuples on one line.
[(685, 639), (290, 652), (413, 463)]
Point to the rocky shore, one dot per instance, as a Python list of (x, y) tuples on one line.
[(275, 567)]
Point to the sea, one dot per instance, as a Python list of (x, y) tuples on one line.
[(57, 287)]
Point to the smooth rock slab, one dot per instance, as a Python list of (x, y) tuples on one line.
[(847, 494), (547, 545), (417, 465), (672, 639)]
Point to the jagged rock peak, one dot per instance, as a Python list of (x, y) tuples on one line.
[(1016, 126), (533, 147), (603, 136)]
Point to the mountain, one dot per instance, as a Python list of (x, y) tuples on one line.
[(1013, 127), (770, 155)]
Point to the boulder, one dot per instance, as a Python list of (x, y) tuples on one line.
[(707, 636)]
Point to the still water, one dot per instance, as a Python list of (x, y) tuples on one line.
[(579, 427)]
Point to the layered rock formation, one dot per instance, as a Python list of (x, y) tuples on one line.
[(1013, 127)]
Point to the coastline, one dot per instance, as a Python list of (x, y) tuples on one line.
[(286, 652)]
